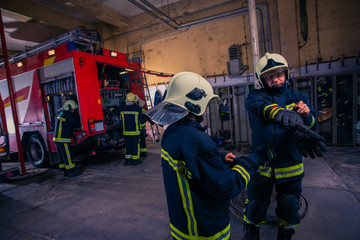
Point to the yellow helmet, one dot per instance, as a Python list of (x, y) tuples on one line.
[(187, 93), (69, 104), (270, 62), (130, 97), (191, 92)]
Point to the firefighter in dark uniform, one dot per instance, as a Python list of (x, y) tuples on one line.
[(133, 123), (143, 148), (199, 181), (66, 122), (275, 113)]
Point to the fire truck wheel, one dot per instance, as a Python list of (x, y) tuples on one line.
[(36, 151)]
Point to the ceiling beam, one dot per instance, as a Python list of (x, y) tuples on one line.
[(101, 12), (42, 13)]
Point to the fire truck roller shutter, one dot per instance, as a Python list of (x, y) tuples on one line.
[(35, 149)]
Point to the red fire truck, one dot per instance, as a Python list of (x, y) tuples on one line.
[(72, 66)]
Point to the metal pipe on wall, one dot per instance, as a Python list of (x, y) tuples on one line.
[(254, 37)]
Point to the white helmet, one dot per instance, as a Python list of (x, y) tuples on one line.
[(270, 62), (69, 104), (187, 93), (131, 97)]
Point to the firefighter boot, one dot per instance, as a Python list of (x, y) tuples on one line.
[(63, 170), (252, 232), (285, 234), (136, 162), (73, 172), (127, 162)]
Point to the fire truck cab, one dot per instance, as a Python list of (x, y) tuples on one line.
[(69, 67)]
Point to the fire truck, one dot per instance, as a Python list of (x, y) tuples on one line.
[(71, 66)]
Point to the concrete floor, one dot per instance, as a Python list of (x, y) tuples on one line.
[(112, 201)]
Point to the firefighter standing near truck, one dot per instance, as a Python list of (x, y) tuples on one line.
[(133, 124), (65, 123), (143, 148), (198, 182), (278, 116)]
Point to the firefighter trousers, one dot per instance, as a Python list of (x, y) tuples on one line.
[(288, 194), (132, 147), (65, 155), (143, 148)]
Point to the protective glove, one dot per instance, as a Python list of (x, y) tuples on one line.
[(263, 154), (288, 119), (309, 142)]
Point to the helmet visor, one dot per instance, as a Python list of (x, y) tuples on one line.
[(165, 113)]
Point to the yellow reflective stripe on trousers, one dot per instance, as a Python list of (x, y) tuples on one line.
[(222, 235), (243, 173), (62, 140), (70, 163), (185, 192), (289, 171), (262, 223), (286, 224)]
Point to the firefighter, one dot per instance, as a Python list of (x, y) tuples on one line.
[(66, 121), (143, 148), (199, 181), (277, 116), (133, 124)]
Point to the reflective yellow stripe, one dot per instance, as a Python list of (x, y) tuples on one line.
[(290, 106), (62, 140), (265, 108), (274, 112), (262, 223), (68, 155), (286, 224), (179, 167), (222, 235), (132, 133), (265, 171), (289, 171), (137, 156), (243, 173), (312, 122), (136, 116)]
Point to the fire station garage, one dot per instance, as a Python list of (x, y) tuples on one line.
[(179, 119)]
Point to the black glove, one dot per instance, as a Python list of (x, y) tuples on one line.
[(309, 142), (288, 119)]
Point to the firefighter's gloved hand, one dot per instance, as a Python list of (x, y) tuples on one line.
[(265, 154), (309, 142), (288, 119)]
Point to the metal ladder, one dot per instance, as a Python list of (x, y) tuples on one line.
[(148, 101)]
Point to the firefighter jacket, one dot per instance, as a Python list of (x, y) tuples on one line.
[(198, 184), (132, 119), (262, 106), (64, 125)]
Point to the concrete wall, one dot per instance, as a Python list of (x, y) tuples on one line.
[(204, 48)]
